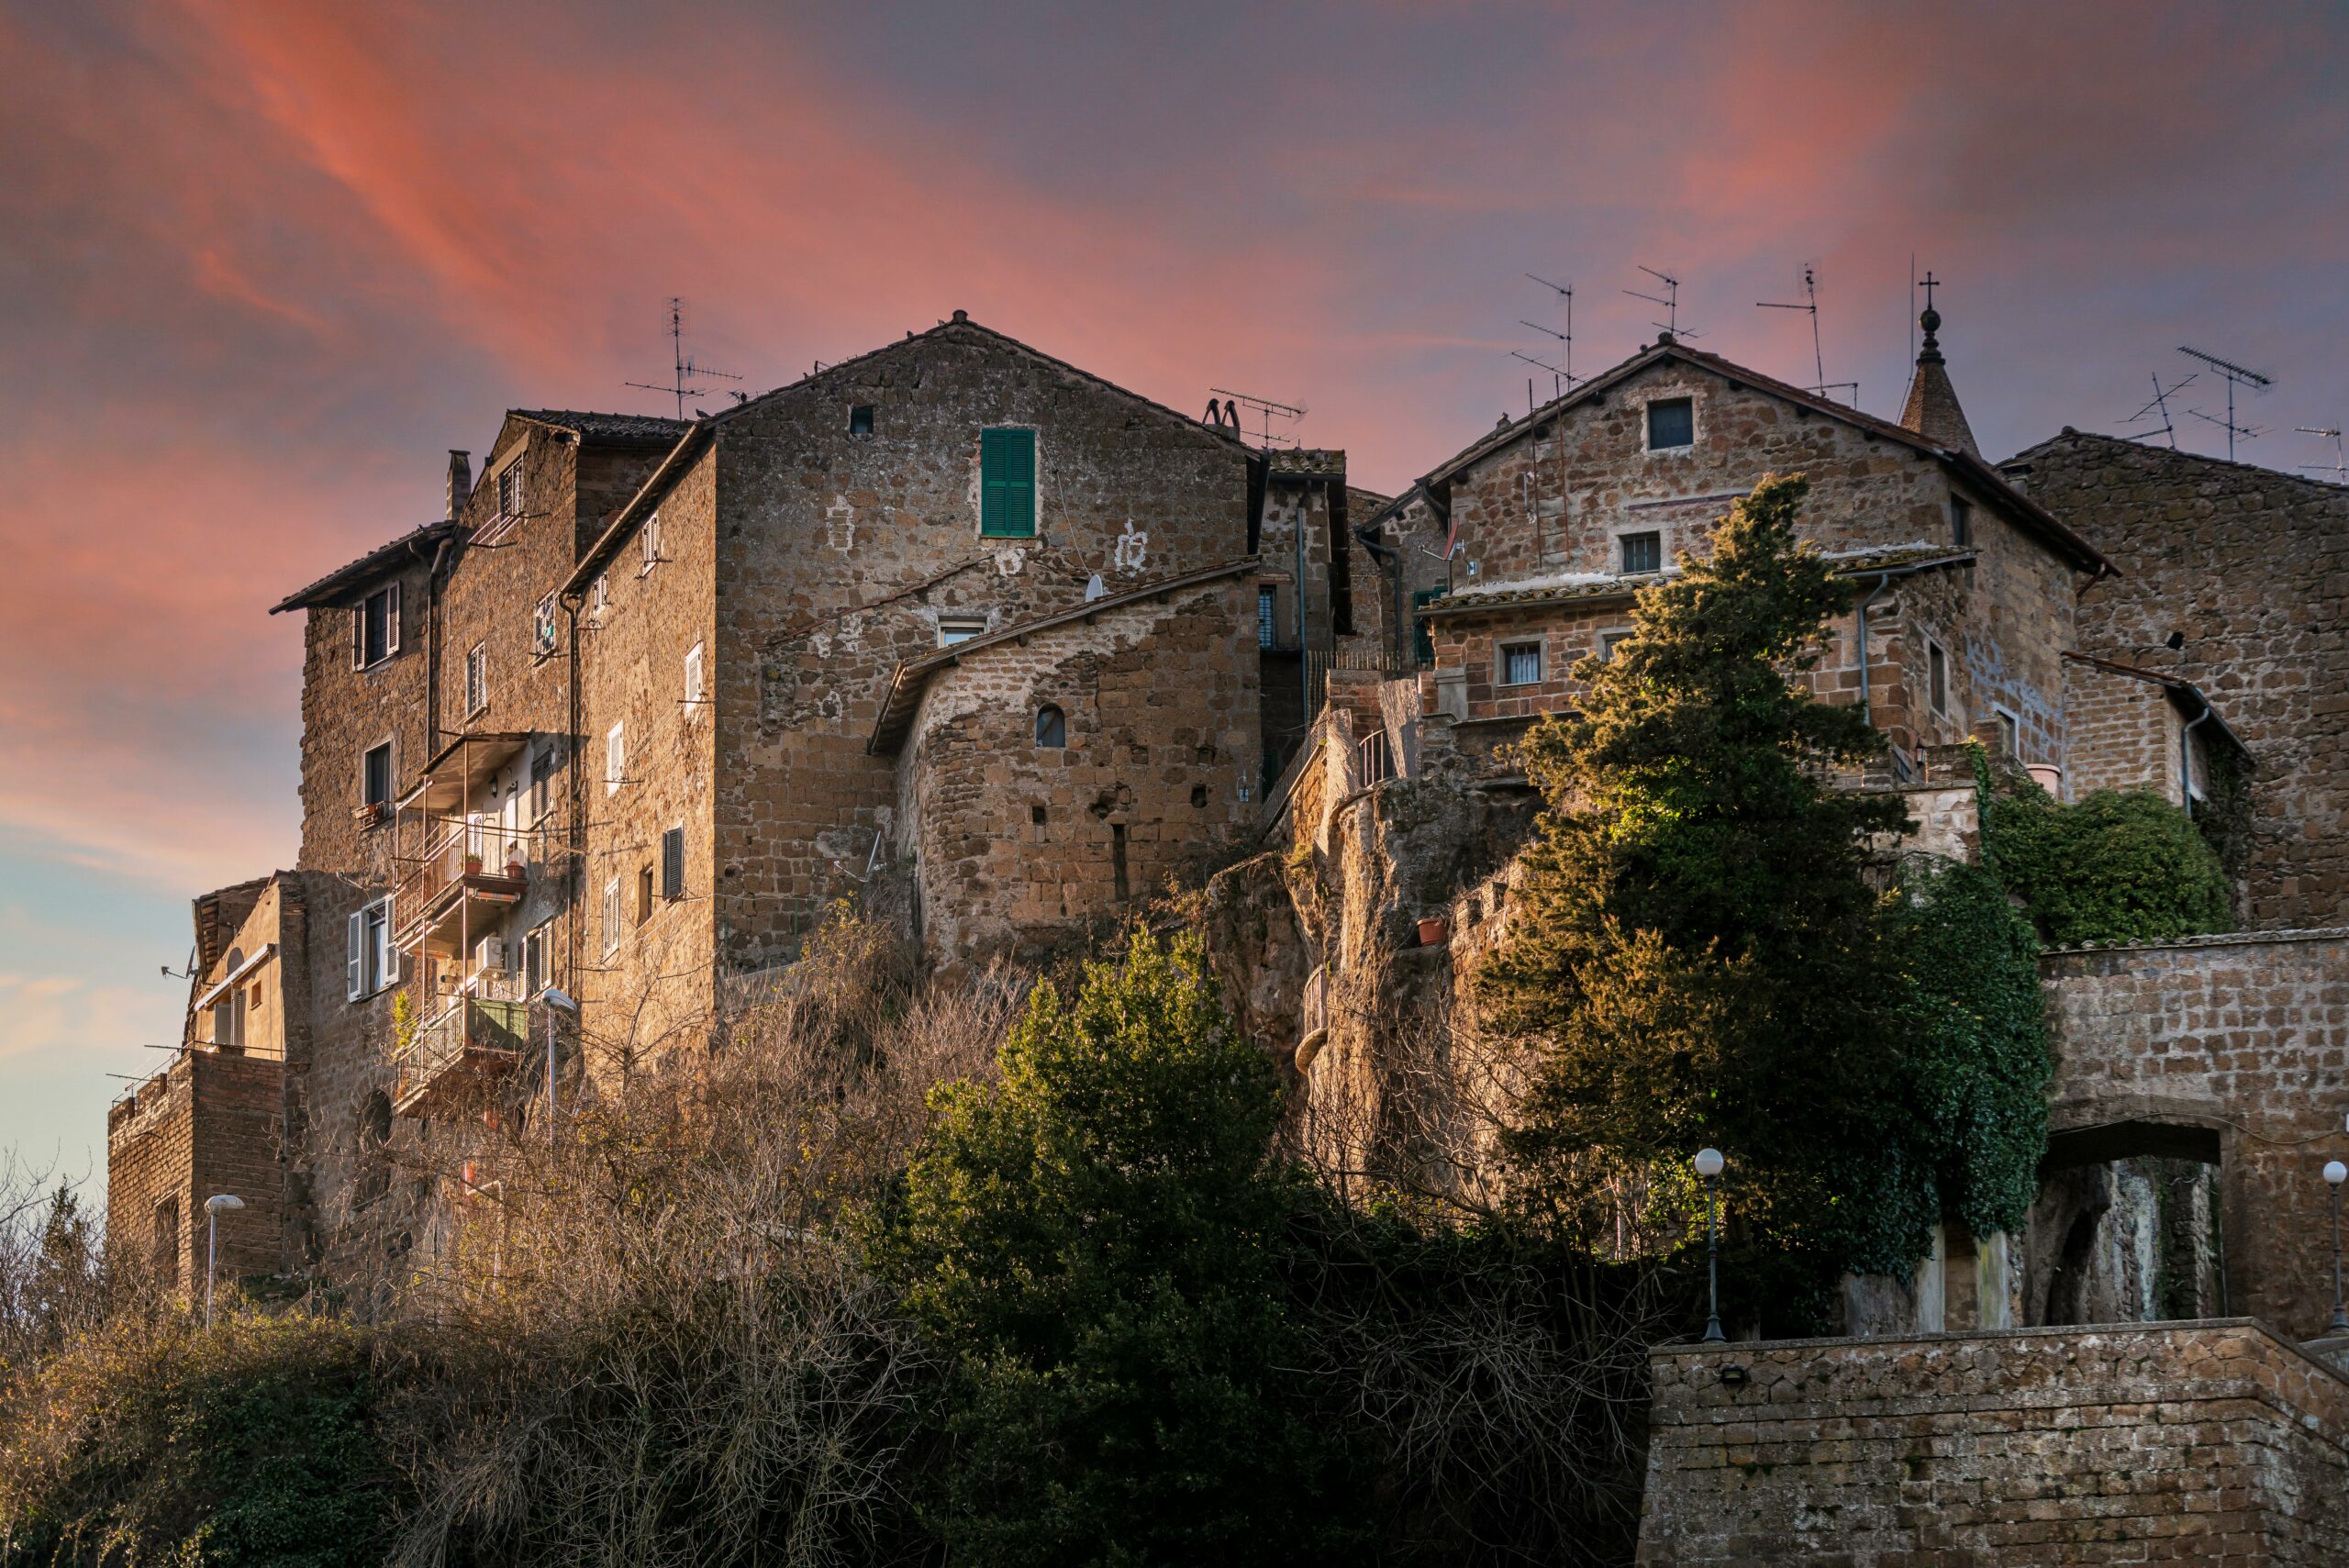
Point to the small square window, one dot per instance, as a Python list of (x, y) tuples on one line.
[(860, 419), (1672, 422), (953, 629), (1961, 523), (1643, 553), (1937, 676), (1521, 664)]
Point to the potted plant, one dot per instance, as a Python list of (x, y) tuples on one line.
[(1434, 930), (472, 863), (514, 866)]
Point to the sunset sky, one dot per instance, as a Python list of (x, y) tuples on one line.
[(261, 265)]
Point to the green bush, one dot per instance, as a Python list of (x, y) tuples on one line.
[(2121, 865), (253, 1444)]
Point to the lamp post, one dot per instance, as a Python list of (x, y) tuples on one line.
[(2335, 1172), (555, 997), (212, 1207), (1708, 1166)]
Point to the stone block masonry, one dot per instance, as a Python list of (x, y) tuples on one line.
[(210, 1123), (2211, 1442)]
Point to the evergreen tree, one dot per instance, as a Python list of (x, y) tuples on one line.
[(1696, 949), (1093, 1242)]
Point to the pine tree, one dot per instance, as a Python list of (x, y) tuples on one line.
[(1696, 952), (1092, 1242)]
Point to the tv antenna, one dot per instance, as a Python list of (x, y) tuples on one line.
[(685, 371), (1670, 301), (2160, 404), (1817, 358), (1559, 379), (1566, 292), (2236, 375), (1266, 410), (2339, 466)]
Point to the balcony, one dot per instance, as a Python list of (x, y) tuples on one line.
[(451, 1063), (452, 893)]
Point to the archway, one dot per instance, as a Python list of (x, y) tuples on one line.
[(2129, 1225)]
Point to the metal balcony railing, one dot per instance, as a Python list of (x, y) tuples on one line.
[(447, 864), (460, 1052)]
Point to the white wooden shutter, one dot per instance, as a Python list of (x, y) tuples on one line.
[(389, 969), (392, 618), (354, 973)]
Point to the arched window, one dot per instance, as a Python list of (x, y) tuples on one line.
[(1051, 727)]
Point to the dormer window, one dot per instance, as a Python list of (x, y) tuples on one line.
[(1671, 423)]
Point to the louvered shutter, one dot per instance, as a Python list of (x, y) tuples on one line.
[(392, 620), (358, 635), (388, 970), (354, 973), (672, 863), (1008, 483)]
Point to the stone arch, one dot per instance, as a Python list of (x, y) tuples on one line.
[(2131, 1218)]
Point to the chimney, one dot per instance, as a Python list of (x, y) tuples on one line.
[(460, 482)]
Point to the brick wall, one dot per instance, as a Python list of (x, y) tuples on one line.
[(207, 1124), (2203, 1443), (2252, 568), (2238, 1044)]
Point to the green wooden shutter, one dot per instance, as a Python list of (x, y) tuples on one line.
[(1008, 483)]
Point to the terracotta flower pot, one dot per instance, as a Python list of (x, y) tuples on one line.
[(515, 870), (1434, 932), (472, 865)]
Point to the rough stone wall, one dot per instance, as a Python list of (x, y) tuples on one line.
[(649, 982), (2208, 1442), (2235, 1045), (1016, 844), (2124, 734), (841, 553), (2252, 568), (209, 1123)]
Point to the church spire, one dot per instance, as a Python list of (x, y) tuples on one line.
[(1932, 411)]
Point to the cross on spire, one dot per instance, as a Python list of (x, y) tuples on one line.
[(1929, 282)]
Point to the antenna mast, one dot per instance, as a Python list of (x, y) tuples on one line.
[(684, 369), (2236, 375), (1671, 302), (1266, 411), (1818, 357), (2339, 466), (2162, 395), (1566, 377)]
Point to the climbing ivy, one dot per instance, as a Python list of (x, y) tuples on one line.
[(2121, 865)]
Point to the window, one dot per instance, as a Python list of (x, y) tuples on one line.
[(376, 781), (1008, 483), (1961, 523), (599, 597), (376, 626), (1937, 676), (541, 781), (1521, 664), (2009, 733), (542, 629), (693, 680), (509, 492), (1422, 641), (1609, 642), (643, 893), (1268, 600), (953, 629), (369, 962), (229, 1020), (615, 759), (534, 958), (672, 864), (1641, 553), (476, 679), (611, 916), (649, 535), (1672, 422), (1039, 815), (860, 419), (1051, 727)]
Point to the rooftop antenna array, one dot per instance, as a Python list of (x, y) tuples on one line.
[(1818, 357), (2236, 375), (2160, 405), (1670, 300), (1263, 408), (1566, 377), (685, 371), (2339, 466)]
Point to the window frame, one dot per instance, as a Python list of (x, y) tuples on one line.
[(1623, 567), (381, 807), (542, 770), (615, 757), (972, 628), (861, 417), (1961, 523), (614, 928), (1057, 718), (1004, 450), (1504, 668), (1268, 615), (1607, 640), (672, 863), (546, 632), (697, 687), (648, 544), (2010, 724), (599, 594), (371, 960), (509, 477), (477, 679), (388, 596), (1647, 422), (1937, 681)]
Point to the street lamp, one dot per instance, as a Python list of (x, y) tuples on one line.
[(212, 1207), (1708, 1166), (557, 1000), (2335, 1172)]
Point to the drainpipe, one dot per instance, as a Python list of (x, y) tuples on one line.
[(1882, 579), (575, 745)]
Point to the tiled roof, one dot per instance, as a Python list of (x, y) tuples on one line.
[(369, 565), (643, 430), (1304, 461)]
